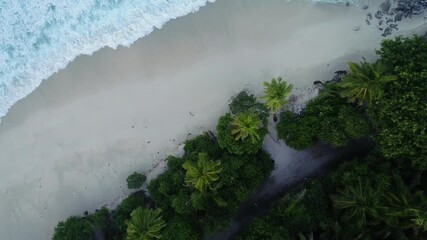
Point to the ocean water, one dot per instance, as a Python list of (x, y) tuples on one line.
[(40, 37)]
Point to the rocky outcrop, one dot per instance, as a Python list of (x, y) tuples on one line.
[(391, 12)]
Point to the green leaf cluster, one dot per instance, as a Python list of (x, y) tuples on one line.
[(327, 119)]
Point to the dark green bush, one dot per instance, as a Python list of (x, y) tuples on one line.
[(100, 218), (244, 102), (327, 119), (123, 211), (74, 228), (180, 228), (135, 180)]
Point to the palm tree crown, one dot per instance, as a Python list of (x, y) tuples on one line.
[(202, 174), (361, 203), (246, 124), (145, 224), (275, 93), (365, 82)]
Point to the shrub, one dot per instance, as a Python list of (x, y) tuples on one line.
[(74, 228), (180, 228), (327, 119), (123, 211), (101, 218), (244, 102), (135, 180)]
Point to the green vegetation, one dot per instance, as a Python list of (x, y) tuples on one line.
[(203, 174), (365, 83), (203, 189), (243, 130), (145, 224), (74, 228), (327, 119), (377, 196), (380, 196), (135, 180), (275, 94)]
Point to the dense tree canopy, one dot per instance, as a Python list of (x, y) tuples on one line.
[(327, 119)]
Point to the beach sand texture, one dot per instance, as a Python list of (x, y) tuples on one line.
[(69, 146)]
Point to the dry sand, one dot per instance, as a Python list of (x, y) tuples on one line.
[(69, 146)]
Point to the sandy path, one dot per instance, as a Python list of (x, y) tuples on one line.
[(69, 146)]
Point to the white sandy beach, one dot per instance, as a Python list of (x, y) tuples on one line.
[(69, 146)]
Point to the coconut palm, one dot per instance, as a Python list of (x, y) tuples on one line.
[(364, 84), (145, 224), (405, 209), (361, 203), (246, 124), (203, 174), (275, 94)]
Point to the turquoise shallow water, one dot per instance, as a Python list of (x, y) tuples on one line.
[(40, 37)]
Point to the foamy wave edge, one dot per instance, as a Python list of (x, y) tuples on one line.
[(44, 68)]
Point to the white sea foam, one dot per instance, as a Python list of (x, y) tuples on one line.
[(40, 37), (37, 38)]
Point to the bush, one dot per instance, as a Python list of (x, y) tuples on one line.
[(244, 102), (327, 119), (226, 139), (135, 180), (203, 143), (297, 134), (74, 228), (101, 218), (123, 211), (179, 228), (400, 115)]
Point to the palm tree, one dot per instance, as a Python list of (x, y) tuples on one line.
[(145, 224), (203, 174), (275, 94), (246, 124), (364, 84), (361, 203), (405, 210)]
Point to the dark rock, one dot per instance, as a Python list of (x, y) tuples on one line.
[(379, 15), (389, 21), (380, 28), (380, 22), (275, 119), (356, 28), (365, 7), (347, 4), (398, 17), (385, 6), (341, 72), (369, 16), (387, 32), (367, 22), (394, 26), (318, 83)]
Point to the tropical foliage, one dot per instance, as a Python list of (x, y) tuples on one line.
[(135, 180), (145, 224), (74, 228), (242, 131), (365, 83), (326, 119), (246, 125), (378, 196), (203, 174), (373, 192), (275, 93)]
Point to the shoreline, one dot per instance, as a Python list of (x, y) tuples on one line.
[(88, 126)]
